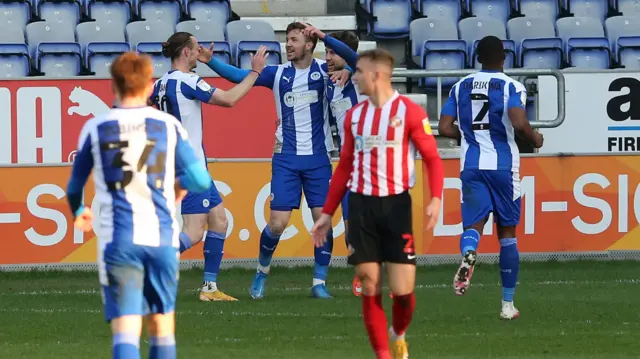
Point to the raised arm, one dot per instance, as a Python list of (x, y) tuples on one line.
[(448, 115), (82, 166), (193, 174), (516, 108), (265, 75), (340, 48)]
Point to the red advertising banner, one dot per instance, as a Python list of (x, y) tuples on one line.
[(40, 120)]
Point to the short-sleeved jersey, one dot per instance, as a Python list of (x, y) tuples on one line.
[(480, 102), (133, 153), (302, 108), (181, 95), (342, 99)]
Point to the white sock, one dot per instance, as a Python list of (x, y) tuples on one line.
[(317, 282), (264, 270), (395, 336), (210, 287)]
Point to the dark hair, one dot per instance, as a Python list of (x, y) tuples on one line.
[(378, 56), (300, 26), (174, 45), (131, 73), (490, 51), (347, 37)]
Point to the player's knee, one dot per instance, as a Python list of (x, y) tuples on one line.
[(277, 226), (217, 220), (127, 324), (160, 325), (370, 285)]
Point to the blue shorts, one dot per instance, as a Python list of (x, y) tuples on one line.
[(202, 202), (345, 206), (138, 280), (484, 192), (291, 174)]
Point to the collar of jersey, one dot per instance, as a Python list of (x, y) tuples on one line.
[(489, 71)]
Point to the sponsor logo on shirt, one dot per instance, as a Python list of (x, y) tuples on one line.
[(204, 86), (426, 126), (315, 76)]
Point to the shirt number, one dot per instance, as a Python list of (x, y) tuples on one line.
[(127, 171), (482, 114), (163, 103)]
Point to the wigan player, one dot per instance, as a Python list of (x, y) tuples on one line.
[(303, 140), (182, 93), (377, 163), (488, 106), (134, 151)]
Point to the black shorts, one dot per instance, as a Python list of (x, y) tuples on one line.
[(380, 229)]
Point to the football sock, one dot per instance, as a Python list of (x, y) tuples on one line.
[(376, 323), (163, 347), (403, 307), (185, 242), (126, 346), (268, 244), (213, 252), (322, 260), (469, 241), (509, 267)]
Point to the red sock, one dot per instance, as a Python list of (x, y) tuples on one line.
[(403, 307), (376, 323)]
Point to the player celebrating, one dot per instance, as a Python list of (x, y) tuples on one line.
[(488, 106), (303, 140), (135, 151), (378, 162), (182, 93)]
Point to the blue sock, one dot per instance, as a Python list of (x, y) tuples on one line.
[(469, 241), (213, 252), (185, 242), (126, 346), (268, 245), (323, 259), (162, 347), (509, 267)]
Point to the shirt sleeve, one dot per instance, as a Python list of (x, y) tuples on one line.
[(420, 133), (82, 166), (338, 186), (267, 77), (193, 175), (153, 100), (517, 96), (342, 50), (450, 107), (236, 75), (201, 91)]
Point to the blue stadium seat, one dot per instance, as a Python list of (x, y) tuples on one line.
[(248, 30), (629, 52), (14, 60), (161, 64), (59, 59), (12, 35), (203, 30), (147, 31), (475, 28), (589, 52), (214, 11), (443, 55), (100, 56), (392, 18), (628, 7), (425, 29), (167, 12), (246, 48), (95, 32), (496, 9), (15, 14), (547, 9), (44, 31), (596, 9), (64, 12), (545, 53), (113, 12), (622, 26), (576, 27), (509, 49), (441, 9), (521, 28)]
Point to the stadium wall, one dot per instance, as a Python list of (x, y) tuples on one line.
[(574, 206)]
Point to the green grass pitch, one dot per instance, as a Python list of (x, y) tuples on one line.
[(568, 310)]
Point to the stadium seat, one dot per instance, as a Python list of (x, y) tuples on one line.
[(14, 60), (113, 12), (100, 56), (622, 27), (15, 14), (588, 52), (11, 35), (167, 12), (59, 59), (202, 30), (147, 31), (161, 64), (596, 9), (443, 55), (531, 28), (64, 12), (546, 53), (427, 29), (94, 32), (576, 27), (495, 9), (248, 30), (44, 31), (475, 28), (628, 7), (441, 9), (547, 9), (509, 49), (214, 11), (629, 52), (391, 18), (246, 48)]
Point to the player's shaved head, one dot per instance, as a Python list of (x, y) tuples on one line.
[(491, 52), (131, 74)]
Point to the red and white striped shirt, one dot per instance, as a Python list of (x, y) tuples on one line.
[(379, 151)]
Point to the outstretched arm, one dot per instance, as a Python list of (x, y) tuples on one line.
[(82, 166), (237, 75)]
